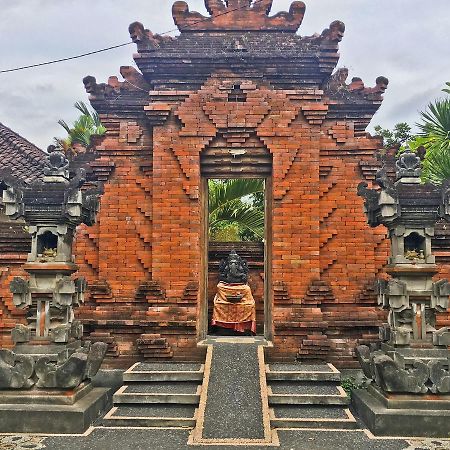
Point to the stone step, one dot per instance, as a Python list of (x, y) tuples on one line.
[(163, 392), (312, 417), (164, 372), (151, 416), (302, 372), (306, 393)]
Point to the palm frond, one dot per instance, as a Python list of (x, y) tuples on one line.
[(63, 123), (81, 106), (240, 214), (232, 203), (221, 193), (435, 137)]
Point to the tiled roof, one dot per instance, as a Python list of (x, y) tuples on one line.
[(19, 157)]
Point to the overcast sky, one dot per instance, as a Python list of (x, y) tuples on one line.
[(405, 40)]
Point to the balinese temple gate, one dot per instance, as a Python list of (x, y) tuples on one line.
[(238, 94)]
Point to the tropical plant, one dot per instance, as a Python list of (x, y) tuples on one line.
[(433, 139), (434, 136), (87, 125), (445, 89), (400, 134), (235, 209)]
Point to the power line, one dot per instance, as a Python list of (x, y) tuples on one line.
[(119, 45), (65, 59)]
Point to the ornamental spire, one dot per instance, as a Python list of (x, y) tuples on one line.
[(238, 15)]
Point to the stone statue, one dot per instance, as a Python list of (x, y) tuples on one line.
[(234, 305), (233, 269)]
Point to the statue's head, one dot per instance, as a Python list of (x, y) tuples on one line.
[(233, 269)]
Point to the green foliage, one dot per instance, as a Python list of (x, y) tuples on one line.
[(87, 125), (434, 136), (350, 384), (396, 137), (236, 210), (226, 232), (445, 89)]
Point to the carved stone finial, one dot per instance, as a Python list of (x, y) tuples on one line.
[(408, 167), (143, 38), (234, 269), (381, 85), (90, 84), (94, 89), (336, 82), (335, 32), (59, 165), (229, 15), (356, 85)]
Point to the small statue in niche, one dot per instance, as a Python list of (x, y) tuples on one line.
[(414, 254), (234, 305), (48, 254)]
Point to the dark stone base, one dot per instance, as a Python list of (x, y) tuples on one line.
[(403, 417), (48, 417)]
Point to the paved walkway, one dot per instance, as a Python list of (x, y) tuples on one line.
[(176, 439)]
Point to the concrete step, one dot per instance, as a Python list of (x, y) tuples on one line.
[(302, 372), (164, 372), (151, 416), (159, 392), (306, 393), (333, 417)]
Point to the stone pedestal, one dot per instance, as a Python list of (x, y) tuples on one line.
[(403, 414), (52, 411)]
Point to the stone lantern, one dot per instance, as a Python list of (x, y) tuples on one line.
[(412, 361), (48, 352)]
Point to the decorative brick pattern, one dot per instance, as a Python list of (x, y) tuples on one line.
[(153, 346)]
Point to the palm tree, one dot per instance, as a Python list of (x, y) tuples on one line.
[(434, 136), (80, 133), (232, 204)]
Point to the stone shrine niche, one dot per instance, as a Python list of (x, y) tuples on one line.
[(411, 244), (51, 209), (410, 338), (47, 242)]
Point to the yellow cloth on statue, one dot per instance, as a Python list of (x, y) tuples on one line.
[(229, 312)]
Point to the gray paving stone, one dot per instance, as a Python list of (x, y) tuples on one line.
[(305, 412), (176, 439), (298, 367), (156, 411), (171, 367), (162, 388), (299, 388)]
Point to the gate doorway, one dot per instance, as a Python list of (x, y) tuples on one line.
[(231, 221)]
